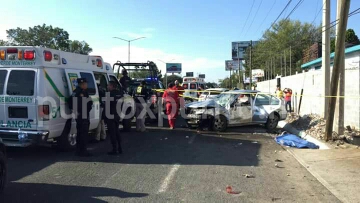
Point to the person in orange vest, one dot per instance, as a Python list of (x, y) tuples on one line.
[(288, 94), (171, 100)]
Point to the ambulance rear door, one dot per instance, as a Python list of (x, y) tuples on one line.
[(20, 106)]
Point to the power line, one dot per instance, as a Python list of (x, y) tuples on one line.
[(253, 18), (248, 16), (267, 15), (296, 7), (287, 5), (317, 14)]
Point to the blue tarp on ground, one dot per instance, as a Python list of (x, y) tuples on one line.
[(294, 141)]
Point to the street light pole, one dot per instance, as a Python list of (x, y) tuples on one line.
[(128, 44)]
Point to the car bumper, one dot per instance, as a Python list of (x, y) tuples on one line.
[(16, 138)]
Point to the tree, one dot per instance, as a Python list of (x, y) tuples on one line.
[(46, 36), (351, 37), (280, 37), (79, 47), (172, 78), (3, 43)]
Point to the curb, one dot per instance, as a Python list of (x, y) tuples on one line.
[(288, 127)]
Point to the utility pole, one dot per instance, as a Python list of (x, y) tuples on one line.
[(250, 64), (339, 55), (281, 66), (285, 61), (290, 60), (325, 66), (339, 111)]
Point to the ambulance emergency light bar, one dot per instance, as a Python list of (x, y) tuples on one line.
[(30, 55)]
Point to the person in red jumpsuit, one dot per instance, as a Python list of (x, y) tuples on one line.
[(171, 99)]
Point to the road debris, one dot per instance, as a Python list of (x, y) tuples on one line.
[(165, 138), (187, 137), (314, 125), (278, 160), (248, 176), (287, 174), (230, 190), (254, 142), (239, 143)]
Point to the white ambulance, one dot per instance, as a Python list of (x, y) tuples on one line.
[(35, 84), (191, 85)]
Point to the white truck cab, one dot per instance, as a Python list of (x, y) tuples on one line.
[(35, 84)]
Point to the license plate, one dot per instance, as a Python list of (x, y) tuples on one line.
[(192, 116)]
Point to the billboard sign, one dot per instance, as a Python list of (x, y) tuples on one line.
[(247, 80), (173, 67), (257, 73), (233, 65), (189, 74), (201, 75), (238, 49)]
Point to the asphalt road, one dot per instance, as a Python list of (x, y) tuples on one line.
[(165, 166)]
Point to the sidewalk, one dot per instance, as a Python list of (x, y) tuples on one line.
[(336, 169)]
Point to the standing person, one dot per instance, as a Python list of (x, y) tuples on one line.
[(100, 131), (112, 118), (278, 92), (288, 94), (171, 99), (125, 80), (141, 95), (83, 102), (180, 91)]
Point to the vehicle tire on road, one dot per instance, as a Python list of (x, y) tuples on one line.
[(67, 140), (272, 122), (3, 171), (219, 123)]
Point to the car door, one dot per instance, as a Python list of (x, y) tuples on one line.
[(261, 108), (72, 76), (242, 109), (94, 95), (20, 108), (3, 118)]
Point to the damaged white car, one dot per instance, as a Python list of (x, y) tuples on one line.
[(236, 108)]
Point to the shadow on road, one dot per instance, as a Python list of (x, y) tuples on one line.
[(38, 192), (158, 146)]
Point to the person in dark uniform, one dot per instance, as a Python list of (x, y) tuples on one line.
[(125, 80), (141, 95), (112, 118), (83, 102)]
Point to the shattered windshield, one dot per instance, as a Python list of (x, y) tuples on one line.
[(225, 98)]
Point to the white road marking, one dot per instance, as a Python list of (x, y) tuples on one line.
[(192, 139), (164, 186)]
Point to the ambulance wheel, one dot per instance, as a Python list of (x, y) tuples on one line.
[(3, 171), (67, 140)]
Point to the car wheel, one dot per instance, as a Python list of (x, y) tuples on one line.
[(219, 123), (3, 171), (272, 122)]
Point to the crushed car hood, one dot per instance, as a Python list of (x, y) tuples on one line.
[(202, 104)]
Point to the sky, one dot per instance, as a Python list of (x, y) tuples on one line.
[(197, 34)]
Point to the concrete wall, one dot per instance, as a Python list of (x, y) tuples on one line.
[(312, 100)]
